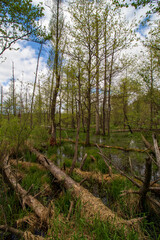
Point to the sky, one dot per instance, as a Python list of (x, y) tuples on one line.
[(25, 54)]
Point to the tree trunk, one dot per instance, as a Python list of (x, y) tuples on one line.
[(33, 203), (105, 81), (56, 89), (13, 91), (89, 100), (97, 76), (1, 100), (78, 125), (109, 88), (34, 87)]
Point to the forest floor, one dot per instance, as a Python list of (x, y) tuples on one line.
[(68, 221)]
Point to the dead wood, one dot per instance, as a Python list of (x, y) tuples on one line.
[(109, 147), (27, 235), (156, 149), (26, 165), (145, 187), (147, 144), (32, 220), (83, 161), (27, 199), (97, 176), (93, 158), (119, 170), (70, 210), (91, 205)]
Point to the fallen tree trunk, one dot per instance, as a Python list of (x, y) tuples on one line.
[(33, 203), (27, 235), (99, 177), (91, 205), (109, 147)]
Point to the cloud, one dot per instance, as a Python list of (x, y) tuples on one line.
[(25, 62)]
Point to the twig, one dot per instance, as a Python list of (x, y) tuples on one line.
[(36, 195), (109, 168), (155, 182), (152, 159), (29, 190), (70, 210), (83, 180), (125, 192), (122, 173), (83, 161)]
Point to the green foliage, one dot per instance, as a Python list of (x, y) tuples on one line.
[(115, 187), (63, 203), (21, 18), (34, 176), (30, 157), (40, 135), (13, 134)]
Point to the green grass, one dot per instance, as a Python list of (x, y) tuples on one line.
[(36, 177)]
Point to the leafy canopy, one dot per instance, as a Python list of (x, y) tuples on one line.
[(18, 19)]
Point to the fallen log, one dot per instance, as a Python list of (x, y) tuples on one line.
[(91, 206), (26, 165), (27, 199), (27, 235), (99, 177), (109, 147)]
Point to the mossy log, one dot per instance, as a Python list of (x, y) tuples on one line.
[(27, 199), (99, 177), (91, 206)]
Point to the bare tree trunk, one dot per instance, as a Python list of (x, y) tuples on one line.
[(109, 88), (151, 95), (34, 87), (97, 77), (89, 99), (72, 105), (78, 124), (13, 90), (145, 188), (60, 118), (105, 81), (1, 100), (56, 89), (83, 121)]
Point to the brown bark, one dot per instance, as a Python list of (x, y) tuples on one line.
[(97, 76), (57, 75), (147, 144), (109, 87), (91, 205), (156, 149), (27, 235), (27, 199), (78, 125), (83, 161), (145, 188)]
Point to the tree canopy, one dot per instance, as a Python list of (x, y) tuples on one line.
[(18, 20)]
